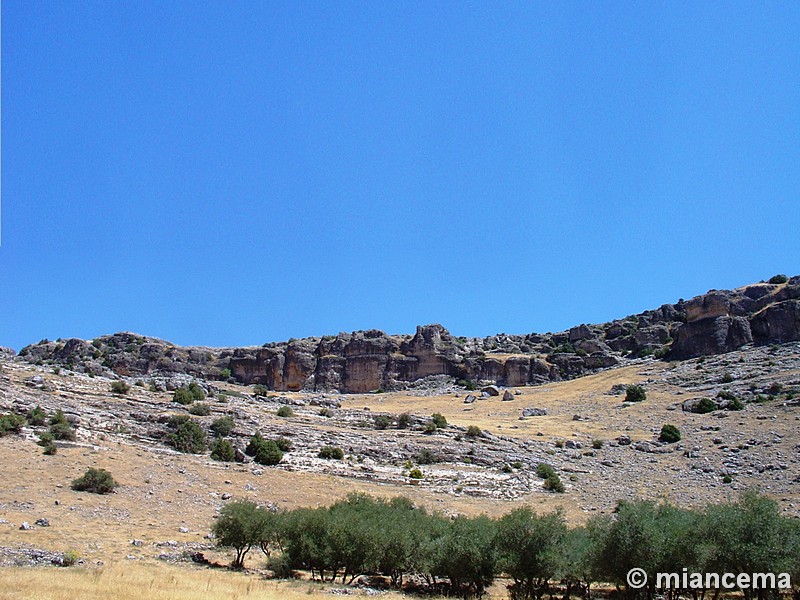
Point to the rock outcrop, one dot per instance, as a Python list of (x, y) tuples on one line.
[(363, 361)]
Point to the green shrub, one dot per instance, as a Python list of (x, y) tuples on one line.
[(325, 412), (776, 279), (222, 427), (11, 423), (727, 479), (430, 427), (706, 405), (60, 428), (544, 471), (96, 481), (264, 452), (439, 420), (597, 444), (382, 422), (727, 377), (200, 409), (285, 411), (474, 431), (553, 484), (635, 393), (670, 434), (415, 474), (36, 416), (46, 442), (260, 390), (736, 404), (222, 450), (284, 444), (331, 452), (467, 384), (559, 443), (775, 389), (120, 387), (426, 457), (188, 437), (70, 558), (403, 421), (188, 394), (225, 374)]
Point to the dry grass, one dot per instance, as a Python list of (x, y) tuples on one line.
[(139, 581)]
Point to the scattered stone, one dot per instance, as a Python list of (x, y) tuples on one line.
[(470, 399), (507, 396), (534, 412), (624, 440), (491, 390), (25, 526), (42, 522)]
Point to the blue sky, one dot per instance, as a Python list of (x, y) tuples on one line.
[(232, 173)]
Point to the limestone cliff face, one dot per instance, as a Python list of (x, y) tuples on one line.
[(363, 361)]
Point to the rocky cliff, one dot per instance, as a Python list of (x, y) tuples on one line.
[(362, 361)]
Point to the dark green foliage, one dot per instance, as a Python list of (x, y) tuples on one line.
[(284, 444), (430, 427), (426, 457), (46, 442), (544, 470), (225, 374), (439, 420), (635, 393), (36, 416), (187, 394), (528, 550), (462, 556), (222, 450), (331, 452), (467, 384), (706, 405), (474, 431), (11, 423), (260, 390), (222, 427), (670, 434), (776, 279), (553, 483), (775, 389), (597, 444), (727, 378), (60, 427), (285, 411), (242, 525), (382, 422), (736, 404), (96, 481), (200, 409), (188, 437), (120, 387), (264, 452), (403, 421)]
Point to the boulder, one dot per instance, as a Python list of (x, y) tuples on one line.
[(491, 390), (507, 396), (534, 412)]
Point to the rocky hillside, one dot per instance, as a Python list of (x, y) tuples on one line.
[(713, 323)]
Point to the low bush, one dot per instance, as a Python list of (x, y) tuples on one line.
[(415, 474), (188, 394), (260, 390), (670, 434), (222, 427), (403, 421), (120, 387), (285, 411), (11, 423), (60, 427), (474, 431), (36, 416), (70, 558), (222, 450), (188, 437), (776, 279), (439, 420), (200, 409), (426, 457), (544, 471), (331, 452), (264, 452), (706, 405), (553, 484), (284, 444), (96, 481), (597, 444), (635, 393), (382, 422)]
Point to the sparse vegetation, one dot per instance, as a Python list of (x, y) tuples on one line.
[(382, 422), (60, 427), (11, 423), (264, 452), (438, 420), (403, 421), (36, 416), (120, 387), (96, 481), (415, 473), (706, 405), (777, 279), (473, 431)]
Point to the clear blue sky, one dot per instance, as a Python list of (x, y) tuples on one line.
[(230, 173)]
